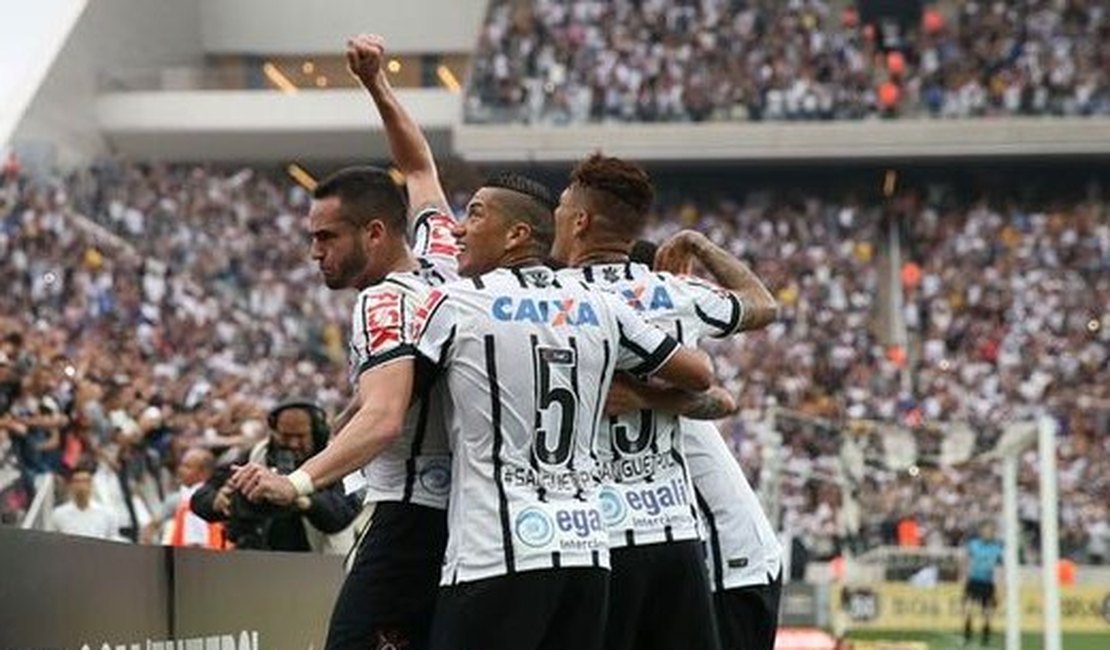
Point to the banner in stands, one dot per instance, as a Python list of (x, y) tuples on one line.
[(894, 606), (68, 593)]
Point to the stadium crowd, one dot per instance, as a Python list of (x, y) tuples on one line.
[(560, 61), (156, 308)]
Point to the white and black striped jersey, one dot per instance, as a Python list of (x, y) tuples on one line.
[(528, 360), (648, 496), (416, 468), (742, 548)]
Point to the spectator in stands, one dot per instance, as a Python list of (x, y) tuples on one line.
[(81, 515), (314, 523), (182, 526)]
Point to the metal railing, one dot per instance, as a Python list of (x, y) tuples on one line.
[(38, 514)]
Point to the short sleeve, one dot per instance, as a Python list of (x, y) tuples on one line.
[(719, 313), (643, 348), (381, 327), (433, 327), (434, 241)]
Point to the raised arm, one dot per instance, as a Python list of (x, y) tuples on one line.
[(733, 275), (407, 144)]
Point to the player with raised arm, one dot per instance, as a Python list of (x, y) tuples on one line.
[(358, 224), (659, 590), (742, 551), (527, 359)]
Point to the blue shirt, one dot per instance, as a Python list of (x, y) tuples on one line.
[(983, 555)]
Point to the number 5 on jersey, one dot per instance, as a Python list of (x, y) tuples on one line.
[(556, 384)]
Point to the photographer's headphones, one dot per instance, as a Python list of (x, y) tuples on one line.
[(320, 430)]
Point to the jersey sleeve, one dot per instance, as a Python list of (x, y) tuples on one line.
[(717, 313), (643, 348), (381, 327), (433, 327), (434, 243)]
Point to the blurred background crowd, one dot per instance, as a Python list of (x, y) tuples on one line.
[(153, 308), (559, 62)]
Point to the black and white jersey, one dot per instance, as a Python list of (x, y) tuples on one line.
[(648, 495), (527, 360), (416, 468), (742, 548)]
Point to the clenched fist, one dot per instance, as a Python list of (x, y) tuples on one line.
[(365, 54)]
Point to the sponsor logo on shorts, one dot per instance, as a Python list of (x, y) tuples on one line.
[(534, 527)]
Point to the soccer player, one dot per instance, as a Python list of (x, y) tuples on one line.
[(984, 552), (358, 224), (743, 552), (527, 359), (659, 587)]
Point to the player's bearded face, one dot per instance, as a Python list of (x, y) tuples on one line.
[(337, 245)]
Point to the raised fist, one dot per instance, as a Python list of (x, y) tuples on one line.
[(365, 54)]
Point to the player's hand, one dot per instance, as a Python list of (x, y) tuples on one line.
[(241, 475), (266, 485), (624, 396), (677, 254), (365, 54)]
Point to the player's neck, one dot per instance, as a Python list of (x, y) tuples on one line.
[(601, 255), (521, 260)]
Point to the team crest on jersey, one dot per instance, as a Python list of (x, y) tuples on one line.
[(641, 299), (566, 312), (384, 326)]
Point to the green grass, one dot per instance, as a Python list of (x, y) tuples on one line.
[(955, 641)]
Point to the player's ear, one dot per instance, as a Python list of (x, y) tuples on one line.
[(375, 231), (519, 234), (582, 222)]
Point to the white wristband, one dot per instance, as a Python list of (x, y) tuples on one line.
[(302, 482)]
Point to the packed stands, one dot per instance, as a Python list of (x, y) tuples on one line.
[(572, 61), (156, 307)]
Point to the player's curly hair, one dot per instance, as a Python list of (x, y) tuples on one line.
[(617, 190)]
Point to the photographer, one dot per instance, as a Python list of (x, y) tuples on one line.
[(298, 430)]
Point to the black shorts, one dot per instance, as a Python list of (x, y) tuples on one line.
[(980, 592), (389, 595), (748, 617), (659, 599), (549, 609)]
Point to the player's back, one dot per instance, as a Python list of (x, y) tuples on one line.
[(742, 546), (650, 499), (527, 361)]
